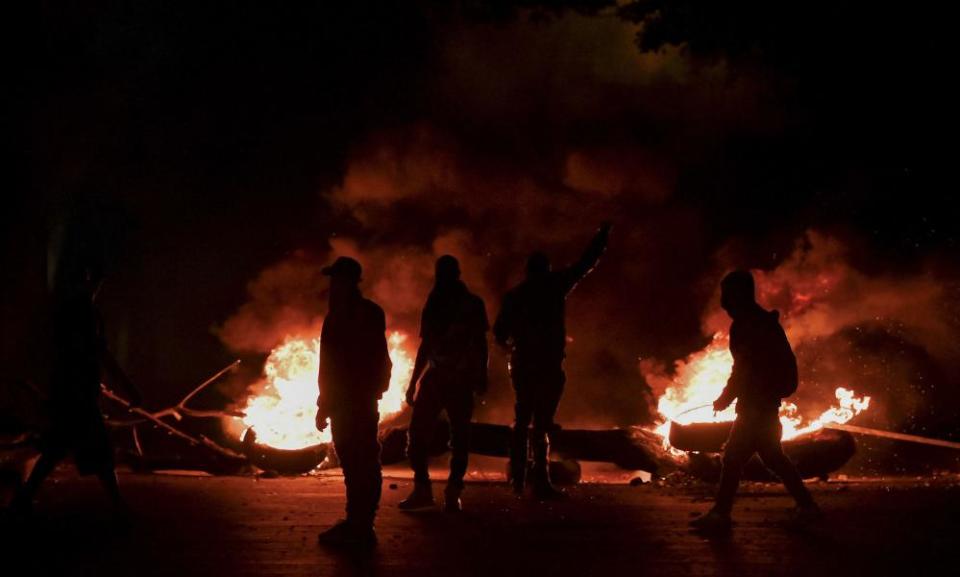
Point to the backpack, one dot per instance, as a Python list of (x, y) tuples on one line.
[(784, 374)]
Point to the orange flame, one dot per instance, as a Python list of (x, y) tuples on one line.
[(701, 377), (284, 409)]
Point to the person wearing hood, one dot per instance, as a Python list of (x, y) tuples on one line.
[(764, 372), (451, 366)]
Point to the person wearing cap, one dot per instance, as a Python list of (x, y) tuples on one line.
[(451, 366), (354, 373), (531, 327)]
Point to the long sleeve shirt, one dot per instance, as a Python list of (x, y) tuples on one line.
[(354, 361)]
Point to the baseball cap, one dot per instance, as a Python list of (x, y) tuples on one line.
[(345, 267)]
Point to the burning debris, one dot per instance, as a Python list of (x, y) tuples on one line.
[(283, 407), (699, 379), (278, 431)]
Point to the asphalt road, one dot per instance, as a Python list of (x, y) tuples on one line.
[(240, 526)]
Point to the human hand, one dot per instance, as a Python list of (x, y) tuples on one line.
[(321, 420)]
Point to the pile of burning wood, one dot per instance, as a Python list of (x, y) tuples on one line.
[(691, 447)]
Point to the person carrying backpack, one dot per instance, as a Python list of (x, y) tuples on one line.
[(764, 371)]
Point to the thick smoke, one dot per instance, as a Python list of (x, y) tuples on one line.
[(414, 197), (524, 150), (532, 133), (285, 300), (890, 336)]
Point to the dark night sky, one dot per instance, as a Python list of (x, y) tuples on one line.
[(210, 142)]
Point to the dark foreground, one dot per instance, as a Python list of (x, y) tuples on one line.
[(243, 526)]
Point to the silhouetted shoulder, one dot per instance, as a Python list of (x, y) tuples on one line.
[(374, 313), (475, 301), (479, 310)]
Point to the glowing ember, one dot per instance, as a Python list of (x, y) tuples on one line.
[(701, 377), (284, 409)]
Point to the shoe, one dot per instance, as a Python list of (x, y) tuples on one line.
[(543, 489), (712, 521), (420, 498), (347, 534), (806, 515), (454, 505), (451, 500)]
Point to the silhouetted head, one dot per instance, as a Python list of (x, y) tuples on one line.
[(538, 265), (737, 292), (344, 276), (447, 270)]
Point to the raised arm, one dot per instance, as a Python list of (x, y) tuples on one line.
[(588, 260)]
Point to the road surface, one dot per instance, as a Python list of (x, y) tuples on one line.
[(239, 526)]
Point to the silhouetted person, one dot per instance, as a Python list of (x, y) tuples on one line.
[(452, 359), (531, 325), (764, 371), (354, 373), (81, 361)]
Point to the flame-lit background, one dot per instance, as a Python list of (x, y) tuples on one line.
[(216, 158)]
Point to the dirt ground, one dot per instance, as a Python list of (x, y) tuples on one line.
[(242, 526)]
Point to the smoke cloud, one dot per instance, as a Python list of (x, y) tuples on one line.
[(891, 336), (535, 132)]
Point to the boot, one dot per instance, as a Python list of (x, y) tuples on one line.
[(420, 498), (349, 535), (451, 498), (543, 489), (713, 521)]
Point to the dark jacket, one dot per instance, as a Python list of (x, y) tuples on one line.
[(354, 362), (79, 344), (453, 327), (763, 363), (532, 315)]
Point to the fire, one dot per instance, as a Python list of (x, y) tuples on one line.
[(284, 409), (392, 401), (700, 378)]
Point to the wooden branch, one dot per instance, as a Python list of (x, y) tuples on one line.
[(182, 404), (179, 410), (893, 435), (149, 416)]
